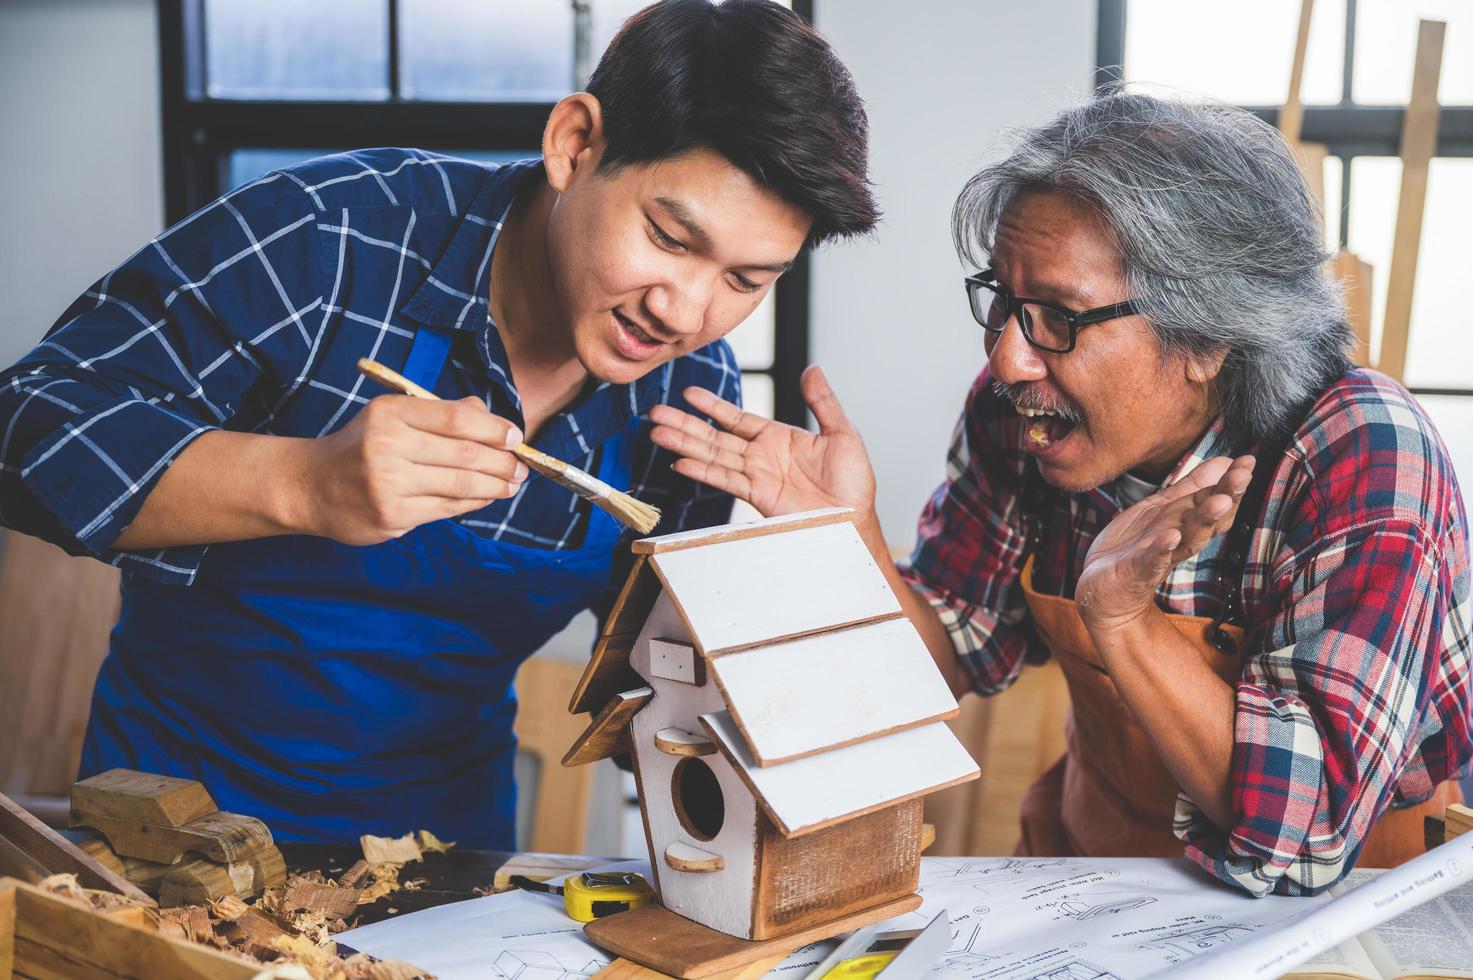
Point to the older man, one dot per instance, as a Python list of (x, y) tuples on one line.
[(1268, 662)]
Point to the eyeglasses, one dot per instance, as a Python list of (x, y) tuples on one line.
[(1045, 325)]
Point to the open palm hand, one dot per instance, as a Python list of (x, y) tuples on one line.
[(1136, 550), (777, 468)]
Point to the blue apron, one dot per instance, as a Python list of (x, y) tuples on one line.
[(333, 690)]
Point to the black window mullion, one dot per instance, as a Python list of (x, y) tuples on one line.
[(393, 11), (1347, 73)]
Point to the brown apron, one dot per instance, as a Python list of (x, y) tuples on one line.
[(1110, 795)]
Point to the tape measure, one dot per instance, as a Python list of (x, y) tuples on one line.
[(594, 894), (865, 967)]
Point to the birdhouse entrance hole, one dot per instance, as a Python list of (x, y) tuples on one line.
[(697, 795)]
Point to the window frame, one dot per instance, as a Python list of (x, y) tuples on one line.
[(1347, 129), (199, 133)]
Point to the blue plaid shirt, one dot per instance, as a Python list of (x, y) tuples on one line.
[(251, 315)]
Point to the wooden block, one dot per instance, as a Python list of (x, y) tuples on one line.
[(658, 938), (541, 867), (793, 699), (683, 857), (31, 850), (97, 849), (678, 741), (740, 593), (197, 881), (124, 794), (1418, 142), (607, 734), (52, 938), (1457, 819), (677, 662), (822, 790), (226, 838), (928, 836)]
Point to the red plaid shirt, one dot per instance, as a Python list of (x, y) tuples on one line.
[(1355, 692)]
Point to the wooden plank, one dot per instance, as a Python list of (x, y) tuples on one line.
[(608, 671), (58, 855), (606, 735), (1354, 275), (56, 612), (699, 537), (1291, 116), (822, 790), (7, 928), (145, 797), (737, 594), (658, 938), (545, 730), (1418, 141), (795, 699), (622, 969), (54, 938)]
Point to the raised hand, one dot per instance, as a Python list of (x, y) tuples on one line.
[(777, 468), (1136, 550)]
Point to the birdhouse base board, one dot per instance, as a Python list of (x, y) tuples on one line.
[(655, 937)]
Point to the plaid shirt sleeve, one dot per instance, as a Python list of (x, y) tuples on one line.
[(159, 351), (970, 545), (1359, 698)]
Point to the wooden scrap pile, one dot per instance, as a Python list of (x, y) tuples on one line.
[(168, 837)]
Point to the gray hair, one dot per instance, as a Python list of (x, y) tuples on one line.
[(1221, 239)]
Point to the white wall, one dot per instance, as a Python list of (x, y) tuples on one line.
[(80, 171), (890, 324)]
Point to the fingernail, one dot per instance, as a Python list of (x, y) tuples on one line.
[(520, 474), (513, 436)]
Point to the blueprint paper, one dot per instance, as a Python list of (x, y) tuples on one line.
[(1011, 919)]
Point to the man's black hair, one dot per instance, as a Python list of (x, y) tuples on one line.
[(752, 81)]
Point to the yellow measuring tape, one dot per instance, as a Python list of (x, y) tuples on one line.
[(595, 894)]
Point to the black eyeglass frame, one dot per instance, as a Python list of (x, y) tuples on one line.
[(1014, 306)]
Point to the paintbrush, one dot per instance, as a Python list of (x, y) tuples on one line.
[(624, 508)]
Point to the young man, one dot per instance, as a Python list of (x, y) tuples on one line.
[(328, 589)]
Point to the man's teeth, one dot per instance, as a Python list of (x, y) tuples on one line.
[(1034, 413)]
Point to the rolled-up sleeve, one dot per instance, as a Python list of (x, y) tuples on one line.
[(164, 348), (1327, 717)]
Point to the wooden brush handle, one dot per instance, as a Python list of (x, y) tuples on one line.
[(394, 381)]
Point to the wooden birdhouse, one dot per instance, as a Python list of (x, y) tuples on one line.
[(784, 718)]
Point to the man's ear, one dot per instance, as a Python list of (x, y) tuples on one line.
[(573, 139), (1204, 368)]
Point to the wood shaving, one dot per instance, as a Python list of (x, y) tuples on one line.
[(67, 887), (385, 882), (385, 850), (431, 844)]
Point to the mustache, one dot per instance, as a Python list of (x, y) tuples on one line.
[(1022, 396)]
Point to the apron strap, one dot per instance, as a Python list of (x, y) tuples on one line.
[(427, 357)]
